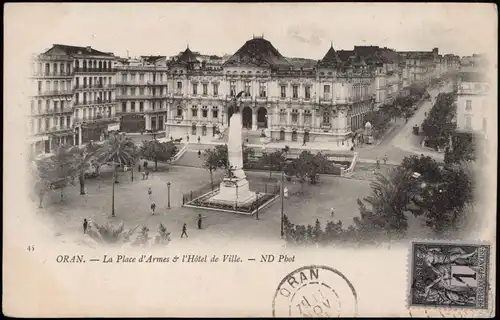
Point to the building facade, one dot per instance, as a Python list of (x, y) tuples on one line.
[(142, 94), (74, 96), (287, 99), (473, 100), (80, 94)]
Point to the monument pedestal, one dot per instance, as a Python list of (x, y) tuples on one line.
[(232, 190)]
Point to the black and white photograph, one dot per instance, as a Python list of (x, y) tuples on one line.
[(327, 149)]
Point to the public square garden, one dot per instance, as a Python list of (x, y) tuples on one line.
[(376, 201)]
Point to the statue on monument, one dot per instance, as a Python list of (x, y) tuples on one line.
[(234, 144)]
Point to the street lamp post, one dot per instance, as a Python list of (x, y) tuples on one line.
[(113, 191), (168, 195), (257, 213), (282, 195), (236, 203)]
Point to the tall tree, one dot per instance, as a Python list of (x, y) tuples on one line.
[(83, 161), (44, 172), (387, 202), (274, 161), (211, 162), (64, 161), (118, 150), (155, 150)]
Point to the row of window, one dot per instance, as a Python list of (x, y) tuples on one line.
[(56, 105), (215, 88), (93, 97), (154, 106), (141, 90), (94, 113), (44, 125), (155, 77), (97, 65), (97, 82), (57, 69)]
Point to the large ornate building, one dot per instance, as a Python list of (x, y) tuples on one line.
[(73, 98), (287, 99), (82, 93)]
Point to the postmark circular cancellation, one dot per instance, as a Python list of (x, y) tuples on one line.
[(315, 291)]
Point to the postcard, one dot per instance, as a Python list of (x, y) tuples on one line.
[(250, 160)]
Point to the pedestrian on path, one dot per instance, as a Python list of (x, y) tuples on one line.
[(85, 226), (378, 163), (153, 207), (385, 159), (199, 154), (184, 231), (147, 175), (200, 220), (199, 139), (139, 167), (187, 138), (304, 142), (332, 212), (150, 193)]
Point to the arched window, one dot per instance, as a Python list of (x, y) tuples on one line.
[(100, 65), (193, 129), (179, 111), (84, 65), (204, 130), (294, 135)]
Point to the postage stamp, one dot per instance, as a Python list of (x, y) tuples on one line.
[(452, 275), (315, 291)]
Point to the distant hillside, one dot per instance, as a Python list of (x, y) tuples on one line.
[(302, 62)]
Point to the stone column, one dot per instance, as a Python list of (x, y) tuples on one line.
[(80, 135), (254, 119)]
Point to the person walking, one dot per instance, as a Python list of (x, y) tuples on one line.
[(139, 167), (332, 212), (304, 142), (150, 193), (184, 231), (187, 138), (199, 154), (85, 226), (147, 175), (199, 139), (153, 208), (200, 220), (385, 159), (378, 163)]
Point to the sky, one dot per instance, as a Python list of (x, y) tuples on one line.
[(295, 29)]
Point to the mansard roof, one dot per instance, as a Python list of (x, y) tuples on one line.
[(259, 52), (152, 59), (187, 56), (60, 49), (331, 59)]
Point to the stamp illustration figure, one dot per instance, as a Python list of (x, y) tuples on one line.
[(450, 275)]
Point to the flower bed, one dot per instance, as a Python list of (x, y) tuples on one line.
[(202, 202)]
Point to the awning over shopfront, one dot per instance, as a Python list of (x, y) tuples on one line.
[(114, 127)]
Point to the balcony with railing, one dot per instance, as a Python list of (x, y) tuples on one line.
[(94, 70), (94, 86), (93, 102), (54, 93), (96, 119), (52, 111), (64, 74)]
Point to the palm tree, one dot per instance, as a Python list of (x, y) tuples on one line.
[(83, 158), (119, 151), (388, 201), (63, 160)]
